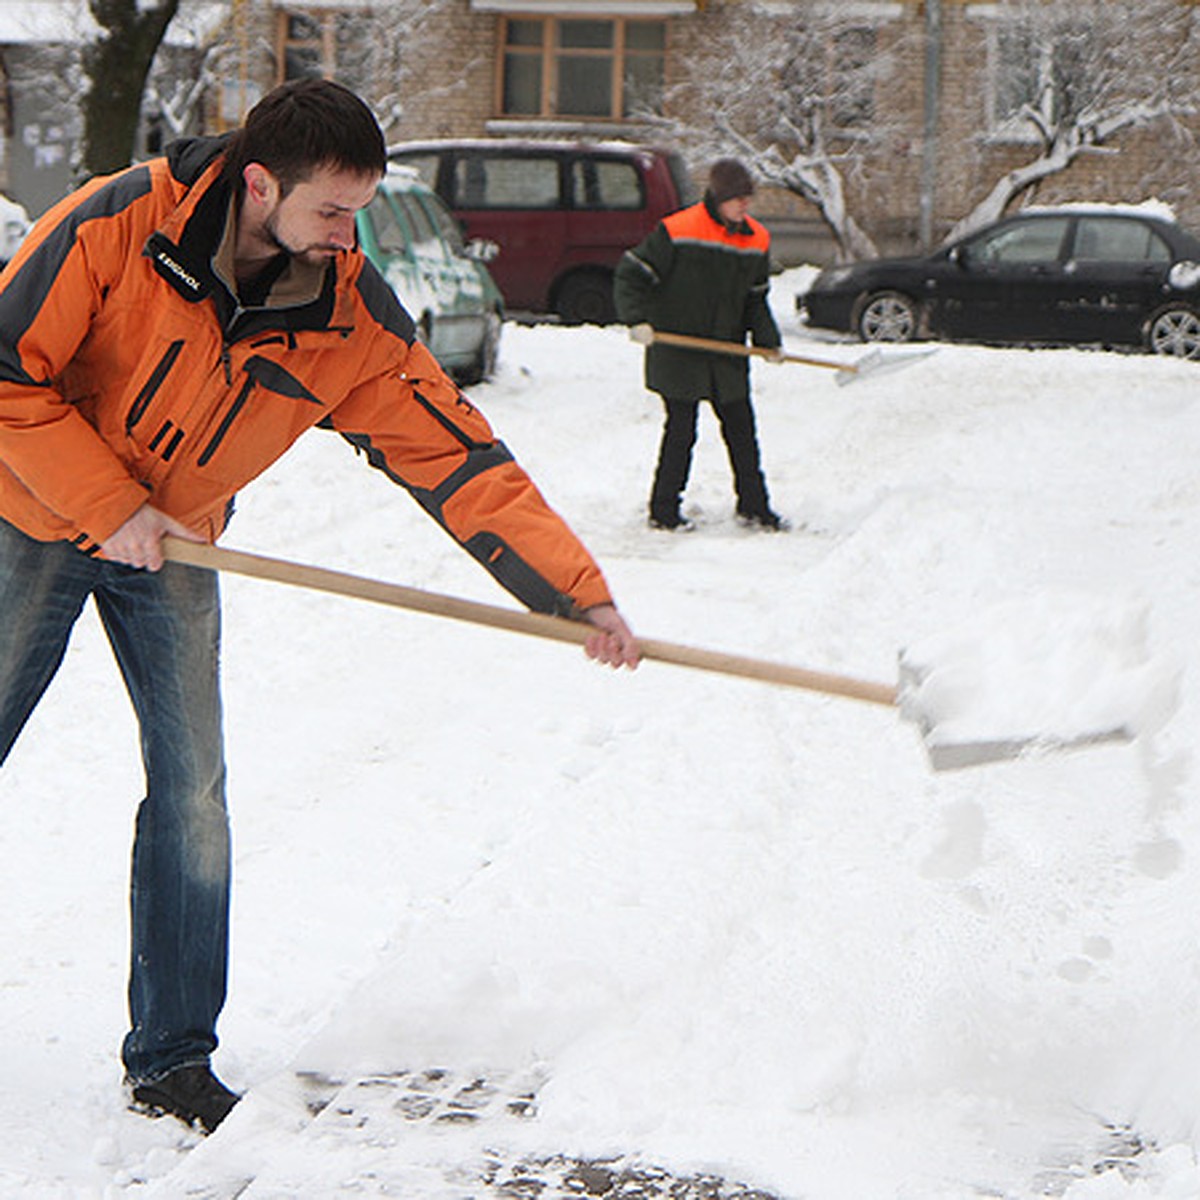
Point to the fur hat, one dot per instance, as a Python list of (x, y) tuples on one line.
[(728, 179)]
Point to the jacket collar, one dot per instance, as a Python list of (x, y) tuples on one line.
[(193, 251), (297, 283)]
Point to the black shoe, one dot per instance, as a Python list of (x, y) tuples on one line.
[(193, 1094), (672, 524), (768, 520)]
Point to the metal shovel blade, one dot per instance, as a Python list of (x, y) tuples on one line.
[(877, 362), (948, 752), (954, 756), (872, 363), (1053, 671)]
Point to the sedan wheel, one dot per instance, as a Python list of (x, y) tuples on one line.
[(1176, 331), (888, 317)]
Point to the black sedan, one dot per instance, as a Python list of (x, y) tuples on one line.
[(1102, 275)]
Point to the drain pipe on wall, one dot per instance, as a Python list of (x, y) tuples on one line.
[(932, 101)]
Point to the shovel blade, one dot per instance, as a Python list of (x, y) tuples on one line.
[(1054, 671), (954, 756), (948, 752), (876, 362)]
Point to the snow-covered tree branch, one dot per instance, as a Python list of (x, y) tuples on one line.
[(794, 95), (1078, 73), (393, 53)]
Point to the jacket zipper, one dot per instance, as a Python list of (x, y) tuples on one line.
[(226, 358), (227, 420)]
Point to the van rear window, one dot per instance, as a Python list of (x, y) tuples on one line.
[(599, 183), (483, 181)]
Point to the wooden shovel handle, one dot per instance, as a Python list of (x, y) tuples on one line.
[(238, 562), (690, 341)]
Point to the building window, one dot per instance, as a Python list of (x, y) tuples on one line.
[(1021, 65), (1034, 70), (853, 53), (588, 68), (306, 51), (325, 44)]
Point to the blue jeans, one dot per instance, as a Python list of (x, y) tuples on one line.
[(164, 628)]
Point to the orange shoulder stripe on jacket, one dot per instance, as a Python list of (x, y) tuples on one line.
[(696, 224)]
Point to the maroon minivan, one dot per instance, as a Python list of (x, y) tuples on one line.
[(561, 213)]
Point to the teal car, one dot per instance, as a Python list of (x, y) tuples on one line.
[(417, 246)]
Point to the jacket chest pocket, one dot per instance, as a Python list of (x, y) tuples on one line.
[(261, 417), (213, 444), (153, 386)]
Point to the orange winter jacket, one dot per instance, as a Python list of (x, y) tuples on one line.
[(130, 372)]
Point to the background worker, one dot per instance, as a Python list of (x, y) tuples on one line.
[(704, 271)]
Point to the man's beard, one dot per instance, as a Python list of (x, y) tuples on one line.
[(311, 254)]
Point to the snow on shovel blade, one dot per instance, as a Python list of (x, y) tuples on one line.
[(876, 362), (1055, 672)]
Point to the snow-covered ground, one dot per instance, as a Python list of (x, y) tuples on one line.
[(716, 925)]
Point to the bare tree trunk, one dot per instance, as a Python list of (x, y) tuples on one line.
[(117, 66), (820, 182)]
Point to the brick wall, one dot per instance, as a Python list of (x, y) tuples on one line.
[(1136, 164), (455, 96)]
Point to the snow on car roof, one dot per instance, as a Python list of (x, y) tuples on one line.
[(522, 143), (402, 173), (1146, 208)]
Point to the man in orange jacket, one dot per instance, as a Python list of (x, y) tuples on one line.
[(165, 334)]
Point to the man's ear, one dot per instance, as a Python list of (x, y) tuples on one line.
[(262, 188)]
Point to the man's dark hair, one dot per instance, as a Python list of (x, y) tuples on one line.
[(304, 125)]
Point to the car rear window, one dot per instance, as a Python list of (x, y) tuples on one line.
[(487, 181), (681, 177), (1115, 239), (422, 227), (450, 229), (425, 165)]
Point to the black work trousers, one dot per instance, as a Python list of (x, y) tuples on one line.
[(675, 457)]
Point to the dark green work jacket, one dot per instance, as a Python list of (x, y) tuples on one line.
[(693, 274)]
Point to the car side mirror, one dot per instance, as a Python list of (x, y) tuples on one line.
[(959, 257), (1185, 274), (481, 250)]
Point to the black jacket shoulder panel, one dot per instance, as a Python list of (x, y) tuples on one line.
[(189, 158), (26, 291), (383, 306)]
